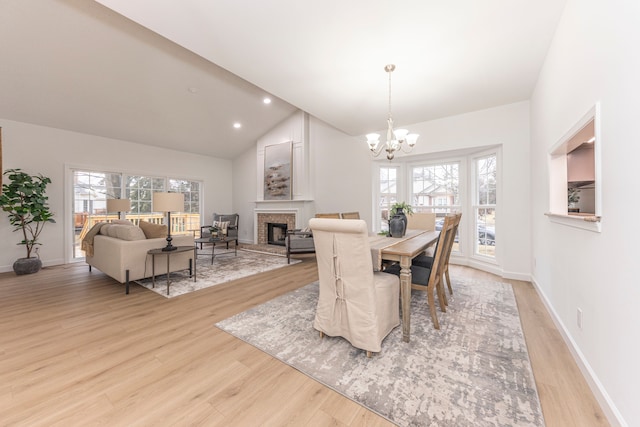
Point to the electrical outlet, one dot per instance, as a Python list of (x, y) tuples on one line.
[(579, 319)]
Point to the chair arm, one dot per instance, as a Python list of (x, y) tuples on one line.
[(299, 232)]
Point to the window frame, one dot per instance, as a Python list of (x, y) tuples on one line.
[(70, 238), (476, 205), (465, 255)]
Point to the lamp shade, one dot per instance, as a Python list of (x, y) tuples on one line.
[(168, 202), (118, 205)]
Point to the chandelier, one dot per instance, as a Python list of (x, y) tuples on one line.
[(396, 139)]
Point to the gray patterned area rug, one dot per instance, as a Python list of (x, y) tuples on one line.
[(225, 268), (474, 371)]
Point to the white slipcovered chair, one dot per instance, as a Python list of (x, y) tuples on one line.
[(355, 302)]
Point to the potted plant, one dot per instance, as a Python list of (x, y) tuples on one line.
[(24, 199), (573, 197), (401, 207), (398, 221)]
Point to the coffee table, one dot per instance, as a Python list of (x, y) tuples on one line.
[(179, 249), (217, 241)]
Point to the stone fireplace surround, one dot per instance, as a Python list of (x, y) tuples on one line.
[(263, 218)]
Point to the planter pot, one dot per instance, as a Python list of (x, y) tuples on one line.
[(397, 226), (27, 265)]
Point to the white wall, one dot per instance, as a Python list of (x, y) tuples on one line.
[(341, 171), (593, 57), (39, 149)]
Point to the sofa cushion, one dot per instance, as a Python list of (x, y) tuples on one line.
[(122, 222), (122, 232), (153, 231)]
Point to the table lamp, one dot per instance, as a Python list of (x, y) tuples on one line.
[(168, 202), (119, 205)]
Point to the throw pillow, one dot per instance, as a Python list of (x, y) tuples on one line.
[(123, 232), (153, 231), (122, 222), (222, 226)]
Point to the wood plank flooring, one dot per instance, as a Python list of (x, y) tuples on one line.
[(75, 350)]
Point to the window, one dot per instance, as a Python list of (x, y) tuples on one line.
[(91, 189), (435, 188), (485, 205), (466, 180), (388, 177), (191, 191)]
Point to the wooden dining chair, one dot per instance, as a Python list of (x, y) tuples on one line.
[(421, 221), (350, 215), (427, 261), (328, 215), (430, 279)]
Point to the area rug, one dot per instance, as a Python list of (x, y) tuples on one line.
[(225, 268), (474, 371)]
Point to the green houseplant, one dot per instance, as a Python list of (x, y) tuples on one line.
[(24, 199), (402, 207)]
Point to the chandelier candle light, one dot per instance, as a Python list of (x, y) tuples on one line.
[(395, 138)]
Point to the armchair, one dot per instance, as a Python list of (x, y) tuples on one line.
[(232, 226), (299, 242)]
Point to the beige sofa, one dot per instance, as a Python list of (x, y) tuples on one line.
[(121, 252)]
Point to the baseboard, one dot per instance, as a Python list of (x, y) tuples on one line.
[(606, 403), (491, 268), (50, 263)]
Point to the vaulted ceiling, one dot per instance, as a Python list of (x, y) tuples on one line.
[(178, 74)]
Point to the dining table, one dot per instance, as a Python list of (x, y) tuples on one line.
[(402, 250)]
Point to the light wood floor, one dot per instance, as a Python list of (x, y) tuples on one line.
[(75, 350)]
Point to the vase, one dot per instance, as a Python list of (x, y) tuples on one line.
[(27, 265), (397, 225)]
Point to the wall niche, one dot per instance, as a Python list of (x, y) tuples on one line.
[(574, 165)]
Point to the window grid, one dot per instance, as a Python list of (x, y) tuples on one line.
[(485, 205), (388, 194), (91, 189)]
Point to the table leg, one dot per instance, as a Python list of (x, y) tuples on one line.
[(153, 270), (168, 273), (405, 296), (195, 262)]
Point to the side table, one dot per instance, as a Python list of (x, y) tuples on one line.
[(180, 249)]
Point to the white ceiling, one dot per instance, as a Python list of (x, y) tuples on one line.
[(77, 65)]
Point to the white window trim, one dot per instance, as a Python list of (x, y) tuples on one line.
[(497, 151)]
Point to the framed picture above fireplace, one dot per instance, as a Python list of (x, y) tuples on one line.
[(277, 171)]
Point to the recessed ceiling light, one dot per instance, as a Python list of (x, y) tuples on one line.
[(267, 100), (237, 125), (192, 89)]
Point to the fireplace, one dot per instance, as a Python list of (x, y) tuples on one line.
[(264, 235), (276, 233)]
